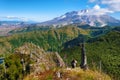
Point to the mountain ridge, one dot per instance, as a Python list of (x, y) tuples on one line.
[(83, 17)]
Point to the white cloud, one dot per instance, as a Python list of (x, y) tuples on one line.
[(96, 7), (11, 18), (110, 1), (97, 10), (113, 5)]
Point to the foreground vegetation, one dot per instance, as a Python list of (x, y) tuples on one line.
[(69, 74)]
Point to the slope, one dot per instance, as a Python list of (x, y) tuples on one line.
[(29, 59), (69, 74), (104, 49), (50, 40)]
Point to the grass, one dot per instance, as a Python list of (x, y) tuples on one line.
[(70, 74)]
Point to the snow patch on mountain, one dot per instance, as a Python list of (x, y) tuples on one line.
[(83, 12), (63, 16)]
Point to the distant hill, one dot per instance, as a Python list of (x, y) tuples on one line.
[(10, 23), (29, 28), (7, 26)]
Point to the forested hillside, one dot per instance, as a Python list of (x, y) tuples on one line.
[(101, 52), (49, 40)]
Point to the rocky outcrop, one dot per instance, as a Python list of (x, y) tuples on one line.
[(39, 60)]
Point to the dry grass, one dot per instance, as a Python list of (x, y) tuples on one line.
[(70, 74)]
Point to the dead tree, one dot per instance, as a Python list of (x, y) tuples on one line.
[(83, 64)]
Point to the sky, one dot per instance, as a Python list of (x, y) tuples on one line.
[(43, 10)]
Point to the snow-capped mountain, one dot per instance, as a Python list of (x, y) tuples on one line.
[(83, 17)]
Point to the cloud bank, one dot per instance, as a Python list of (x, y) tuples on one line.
[(97, 10), (12, 18), (111, 6)]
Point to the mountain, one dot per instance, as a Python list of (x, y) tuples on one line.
[(6, 26), (83, 17), (10, 23)]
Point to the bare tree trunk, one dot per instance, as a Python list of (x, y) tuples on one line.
[(83, 64)]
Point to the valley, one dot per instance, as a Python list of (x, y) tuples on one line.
[(102, 44)]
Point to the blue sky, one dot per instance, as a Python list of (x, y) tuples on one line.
[(42, 10)]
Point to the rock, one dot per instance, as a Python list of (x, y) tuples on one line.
[(40, 60)]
